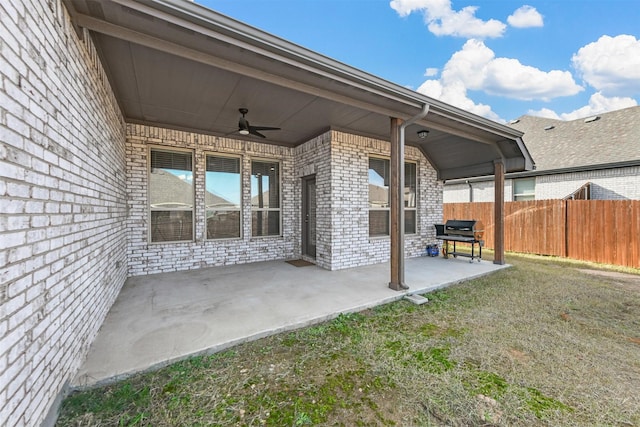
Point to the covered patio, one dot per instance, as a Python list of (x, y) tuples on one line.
[(162, 318), (177, 65)]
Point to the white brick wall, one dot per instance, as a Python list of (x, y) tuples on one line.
[(607, 184), (314, 158), (149, 258), (351, 244), (62, 205), (340, 163), (482, 192)]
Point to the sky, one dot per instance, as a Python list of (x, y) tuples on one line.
[(501, 59)]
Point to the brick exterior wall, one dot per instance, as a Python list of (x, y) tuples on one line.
[(339, 162), (482, 192), (314, 158), (62, 198), (607, 184), (149, 258), (351, 245)]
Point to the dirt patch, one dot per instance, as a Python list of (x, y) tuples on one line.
[(627, 281), (518, 355)]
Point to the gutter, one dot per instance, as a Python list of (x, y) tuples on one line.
[(528, 174)]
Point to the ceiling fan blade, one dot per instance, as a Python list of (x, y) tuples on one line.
[(244, 128), (253, 131), (264, 128)]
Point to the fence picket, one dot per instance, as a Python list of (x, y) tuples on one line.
[(605, 231)]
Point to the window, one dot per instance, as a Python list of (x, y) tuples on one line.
[(265, 198), (410, 198), (171, 196), (524, 189), (379, 214), (223, 192)]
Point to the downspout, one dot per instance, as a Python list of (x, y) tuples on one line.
[(400, 209), (470, 191)]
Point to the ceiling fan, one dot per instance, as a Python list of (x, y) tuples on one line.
[(244, 128)]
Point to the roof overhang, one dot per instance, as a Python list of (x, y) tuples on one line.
[(176, 64)]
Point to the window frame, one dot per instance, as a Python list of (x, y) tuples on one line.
[(517, 196), (269, 209), (239, 209), (413, 209), (151, 209), (388, 204)]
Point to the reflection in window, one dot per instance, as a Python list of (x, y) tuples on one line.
[(524, 189), (379, 213), (171, 196), (223, 183), (410, 198), (265, 198)]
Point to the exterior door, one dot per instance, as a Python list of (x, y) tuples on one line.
[(309, 216)]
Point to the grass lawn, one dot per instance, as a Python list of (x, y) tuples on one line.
[(546, 342)]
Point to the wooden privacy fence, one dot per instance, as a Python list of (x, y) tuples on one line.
[(605, 231)]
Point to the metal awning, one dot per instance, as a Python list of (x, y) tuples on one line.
[(176, 64)]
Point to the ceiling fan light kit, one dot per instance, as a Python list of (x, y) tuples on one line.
[(244, 128)]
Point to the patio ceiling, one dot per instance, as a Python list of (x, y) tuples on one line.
[(175, 64)]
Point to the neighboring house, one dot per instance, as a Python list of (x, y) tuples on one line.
[(123, 153), (597, 157)]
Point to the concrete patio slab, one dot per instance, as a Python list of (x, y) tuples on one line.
[(162, 318)]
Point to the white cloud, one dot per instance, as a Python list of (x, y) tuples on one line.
[(611, 65), (435, 8), (512, 79), (430, 72), (442, 20), (478, 69), (456, 94), (598, 104), (525, 17), (544, 112), (475, 67)]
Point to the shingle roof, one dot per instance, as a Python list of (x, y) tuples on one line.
[(613, 138)]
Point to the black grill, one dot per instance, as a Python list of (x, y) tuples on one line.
[(461, 230)]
